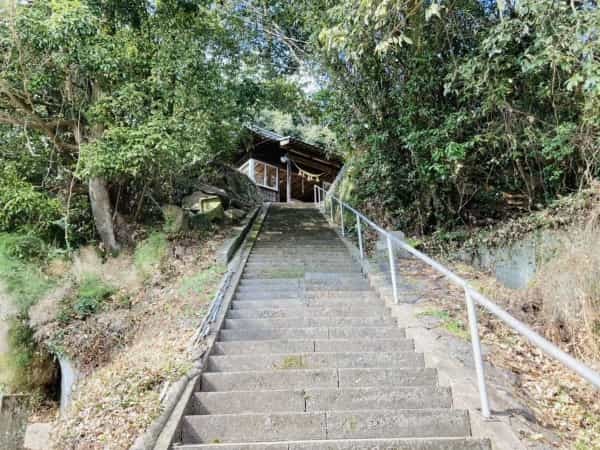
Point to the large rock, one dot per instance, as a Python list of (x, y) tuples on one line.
[(204, 208), (382, 248), (234, 215), (175, 220)]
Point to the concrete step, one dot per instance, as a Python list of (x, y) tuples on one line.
[(309, 322), (276, 273), (266, 295), (272, 313), (298, 261), (310, 345), (354, 444), (354, 296), (316, 378), (315, 333), (314, 400), (258, 282), (304, 303), (279, 361), (333, 285), (325, 425)]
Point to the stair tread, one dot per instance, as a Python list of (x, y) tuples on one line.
[(329, 424), (431, 443), (322, 399)]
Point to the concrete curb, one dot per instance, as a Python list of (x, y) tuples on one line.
[(165, 430), (227, 251)]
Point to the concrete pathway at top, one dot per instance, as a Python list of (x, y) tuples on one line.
[(311, 358)]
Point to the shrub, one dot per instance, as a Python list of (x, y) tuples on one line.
[(23, 280), (23, 246), (23, 206), (90, 296)]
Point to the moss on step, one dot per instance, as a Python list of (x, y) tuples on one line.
[(453, 326), (292, 362)]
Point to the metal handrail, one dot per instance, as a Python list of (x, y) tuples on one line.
[(472, 296)]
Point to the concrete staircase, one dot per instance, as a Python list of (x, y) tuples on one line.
[(310, 358)]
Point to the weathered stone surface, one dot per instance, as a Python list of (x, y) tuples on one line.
[(356, 444), (270, 313), (309, 321), (206, 205), (364, 345), (254, 427), (175, 219), (253, 334), (234, 215), (14, 411), (314, 361), (269, 379), (402, 423), (259, 347), (38, 436), (239, 402), (386, 377), (373, 398)]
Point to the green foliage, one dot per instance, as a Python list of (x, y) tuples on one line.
[(150, 252), (21, 205), (88, 299), (91, 294), (15, 366), (24, 282), (22, 344), (446, 110), (23, 246), (132, 93)]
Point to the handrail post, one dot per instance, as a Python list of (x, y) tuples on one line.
[(392, 266), (331, 208), (359, 233), (341, 216), (483, 396)]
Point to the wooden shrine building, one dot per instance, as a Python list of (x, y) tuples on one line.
[(285, 168)]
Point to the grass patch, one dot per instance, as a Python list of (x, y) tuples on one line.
[(453, 326), (436, 313), (150, 252), (202, 281), (92, 293), (89, 299)]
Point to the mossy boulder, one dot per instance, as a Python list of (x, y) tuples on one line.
[(175, 219), (234, 215)]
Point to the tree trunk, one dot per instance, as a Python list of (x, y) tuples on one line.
[(101, 210), (99, 196)]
